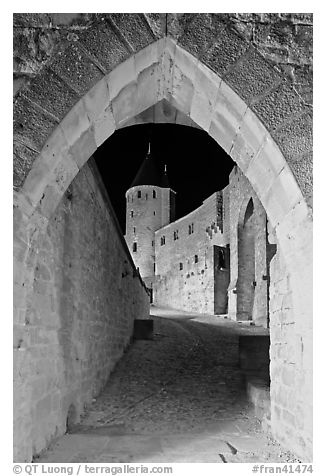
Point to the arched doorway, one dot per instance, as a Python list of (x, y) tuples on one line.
[(246, 265), (166, 72)]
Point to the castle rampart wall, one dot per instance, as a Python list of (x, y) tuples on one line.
[(80, 313), (184, 257)]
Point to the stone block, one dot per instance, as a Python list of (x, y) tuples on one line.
[(148, 86), (104, 126), (281, 197), (23, 161), (124, 104), (167, 70), (295, 138), (175, 24), (104, 44), (249, 140), (134, 28), (75, 123), (182, 91), (278, 106), (36, 182), (72, 64), (149, 55), (204, 100), (225, 51), (265, 167), (97, 100), (252, 76), (51, 93), (63, 174), (303, 172), (84, 147), (228, 113), (32, 126), (198, 33), (156, 22), (122, 76), (187, 63)]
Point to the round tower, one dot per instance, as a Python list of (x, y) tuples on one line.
[(150, 205)]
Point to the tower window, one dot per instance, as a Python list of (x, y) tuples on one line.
[(221, 259), (175, 235), (190, 228), (154, 213), (134, 229), (154, 193), (139, 194), (180, 266), (162, 240), (152, 243), (196, 258), (134, 247), (131, 213)]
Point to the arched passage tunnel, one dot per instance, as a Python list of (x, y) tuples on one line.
[(53, 145)]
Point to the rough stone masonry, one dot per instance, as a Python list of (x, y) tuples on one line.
[(246, 79)]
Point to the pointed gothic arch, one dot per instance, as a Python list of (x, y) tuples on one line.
[(164, 71)]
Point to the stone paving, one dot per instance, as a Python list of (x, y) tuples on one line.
[(177, 398)]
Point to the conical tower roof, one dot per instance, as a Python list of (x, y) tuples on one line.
[(165, 179), (148, 173)]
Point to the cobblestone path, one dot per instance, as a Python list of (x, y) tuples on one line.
[(177, 398)]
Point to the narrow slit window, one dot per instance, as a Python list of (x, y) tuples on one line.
[(221, 259), (134, 247)]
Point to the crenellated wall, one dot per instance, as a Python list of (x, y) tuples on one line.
[(79, 318), (189, 244)]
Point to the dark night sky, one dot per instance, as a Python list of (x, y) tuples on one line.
[(197, 166)]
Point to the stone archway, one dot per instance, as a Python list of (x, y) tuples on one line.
[(165, 71)]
